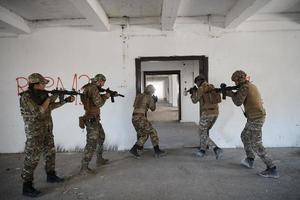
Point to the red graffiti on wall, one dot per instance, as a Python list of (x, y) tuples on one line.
[(77, 83)]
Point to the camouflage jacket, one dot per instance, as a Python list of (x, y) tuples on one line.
[(33, 114), (206, 107), (143, 102), (92, 100), (249, 96)]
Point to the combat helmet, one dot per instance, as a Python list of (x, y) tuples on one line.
[(149, 89), (37, 78), (200, 78), (99, 77), (239, 76)]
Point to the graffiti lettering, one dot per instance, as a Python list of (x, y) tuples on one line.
[(22, 84)]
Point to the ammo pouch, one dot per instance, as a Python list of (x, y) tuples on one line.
[(212, 97), (82, 121)]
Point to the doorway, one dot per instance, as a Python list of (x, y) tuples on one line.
[(167, 90), (188, 67)]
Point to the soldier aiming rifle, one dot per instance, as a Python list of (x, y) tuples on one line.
[(60, 93), (112, 93), (223, 88), (36, 106), (190, 91)]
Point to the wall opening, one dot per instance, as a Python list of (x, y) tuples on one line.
[(167, 91), (183, 68)]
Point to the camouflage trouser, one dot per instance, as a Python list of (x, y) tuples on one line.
[(39, 140), (94, 140), (252, 140), (144, 129), (205, 124)]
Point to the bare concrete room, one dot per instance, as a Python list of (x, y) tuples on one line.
[(150, 99)]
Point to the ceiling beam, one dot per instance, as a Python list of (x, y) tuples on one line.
[(242, 10), (59, 23), (94, 13), (169, 14), (14, 22)]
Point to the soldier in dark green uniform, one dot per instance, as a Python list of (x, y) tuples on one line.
[(249, 96), (92, 101), (209, 111), (143, 127), (36, 108)]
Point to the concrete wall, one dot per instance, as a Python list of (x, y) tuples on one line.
[(175, 90), (170, 96), (270, 58)]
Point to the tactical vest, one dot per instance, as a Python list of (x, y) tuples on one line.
[(209, 100), (253, 103), (87, 100), (140, 104)]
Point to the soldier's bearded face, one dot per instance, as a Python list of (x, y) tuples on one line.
[(101, 83)]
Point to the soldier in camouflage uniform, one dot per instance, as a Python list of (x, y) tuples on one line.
[(249, 96), (36, 110), (143, 127), (92, 101), (209, 111)]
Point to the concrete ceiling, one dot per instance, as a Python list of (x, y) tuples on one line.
[(152, 77), (132, 8), (190, 8), (281, 6), (42, 9), (22, 16)]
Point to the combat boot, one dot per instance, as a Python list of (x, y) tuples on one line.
[(248, 162), (84, 170), (218, 152), (29, 190), (134, 151), (158, 152), (101, 161), (200, 153), (53, 178), (270, 173)]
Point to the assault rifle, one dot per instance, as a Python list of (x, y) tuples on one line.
[(112, 93), (61, 93), (39, 96), (223, 88), (191, 90), (155, 98)]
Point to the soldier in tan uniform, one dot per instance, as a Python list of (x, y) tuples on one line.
[(92, 101), (249, 96), (209, 111), (36, 108), (143, 127)]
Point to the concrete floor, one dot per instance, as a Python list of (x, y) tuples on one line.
[(164, 112), (179, 175)]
